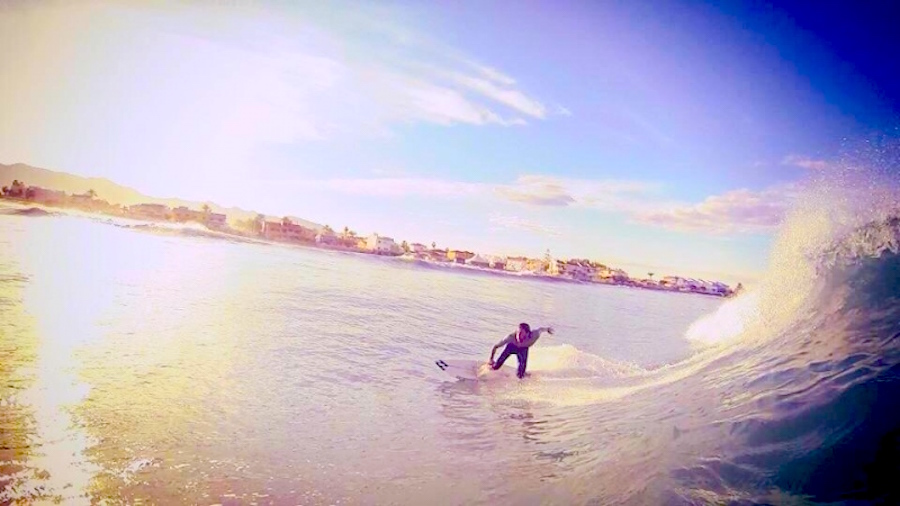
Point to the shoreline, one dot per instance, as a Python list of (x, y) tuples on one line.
[(228, 233)]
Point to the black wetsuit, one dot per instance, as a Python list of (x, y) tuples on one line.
[(521, 354)]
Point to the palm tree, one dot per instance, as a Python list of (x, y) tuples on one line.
[(346, 231), (328, 230), (405, 246), (206, 209), (91, 193), (5, 190), (433, 245), (650, 274)]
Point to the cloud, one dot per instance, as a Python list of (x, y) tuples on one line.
[(394, 187), (537, 190), (611, 194), (493, 74), (731, 213), (518, 223), (734, 212), (805, 162), (221, 84), (502, 94)]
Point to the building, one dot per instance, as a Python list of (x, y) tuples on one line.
[(85, 201), (536, 265), (417, 248), (674, 282), (459, 256), (382, 245), (581, 270), (516, 264), (584, 270), (215, 220), (479, 261), (609, 275), (436, 255), (149, 211), (328, 238), (183, 214), (45, 196), (286, 230)]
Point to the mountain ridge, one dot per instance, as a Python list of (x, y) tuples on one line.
[(116, 193)]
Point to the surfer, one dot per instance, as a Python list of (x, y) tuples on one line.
[(518, 342)]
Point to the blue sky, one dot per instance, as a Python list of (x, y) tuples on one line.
[(669, 137)]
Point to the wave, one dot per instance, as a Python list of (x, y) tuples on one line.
[(790, 396), (808, 361), (564, 361)]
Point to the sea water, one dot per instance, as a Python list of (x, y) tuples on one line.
[(166, 366)]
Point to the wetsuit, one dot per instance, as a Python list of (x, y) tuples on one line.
[(520, 349)]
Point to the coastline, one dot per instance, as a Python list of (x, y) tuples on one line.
[(31, 207)]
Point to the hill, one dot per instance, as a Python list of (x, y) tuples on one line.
[(116, 193)]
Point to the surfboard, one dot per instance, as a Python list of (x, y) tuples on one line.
[(474, 370)]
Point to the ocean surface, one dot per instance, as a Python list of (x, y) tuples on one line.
[(143, 365)]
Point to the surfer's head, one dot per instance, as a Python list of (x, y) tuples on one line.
[(524, 331)]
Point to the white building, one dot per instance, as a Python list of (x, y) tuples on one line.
[(575, 269), (381, 244), (516, 264)]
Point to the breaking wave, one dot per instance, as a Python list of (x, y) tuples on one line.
[(791, 393)]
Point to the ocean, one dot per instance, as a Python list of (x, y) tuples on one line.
[(143, 365)]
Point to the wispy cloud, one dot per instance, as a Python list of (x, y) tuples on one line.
[(608, 194), (523, 224), (505, 94), (734, 212), (537, 190), (406, 77), (805, 162), (393, 187), (493, 74), (304, 77), (623, 196)]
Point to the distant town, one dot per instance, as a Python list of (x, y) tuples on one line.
[(284, 230)]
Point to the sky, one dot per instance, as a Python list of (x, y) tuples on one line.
[(668, 137)]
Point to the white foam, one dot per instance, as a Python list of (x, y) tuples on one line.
[(566, 361)]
